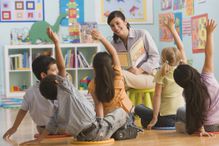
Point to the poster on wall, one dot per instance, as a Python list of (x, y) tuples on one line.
[(178, 23), (137, 11), (68, 6), (178, 4), (186, 27), (199, 33), (21, 11), (189, 7), (165, 34), (166, 4)]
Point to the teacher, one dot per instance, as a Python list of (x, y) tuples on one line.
[(124, 37)]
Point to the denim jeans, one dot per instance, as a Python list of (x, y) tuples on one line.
[(104, 129), (146, 115)]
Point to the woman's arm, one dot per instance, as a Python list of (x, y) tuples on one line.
[(209, 65), (109, 47), (156, 105)]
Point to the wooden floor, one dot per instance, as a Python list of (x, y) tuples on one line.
[(148, 138)]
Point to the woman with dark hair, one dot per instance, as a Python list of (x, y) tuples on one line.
[(201, 92), (124, 38)]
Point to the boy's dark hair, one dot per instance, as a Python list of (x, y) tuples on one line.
[(196, 96), (111, 16), (42, 64), (104, 78), (48, 87)]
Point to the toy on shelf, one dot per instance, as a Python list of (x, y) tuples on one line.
[(86, 32), (16, 88), (84, 83), (38, 30), (74, 26), (19, 36)]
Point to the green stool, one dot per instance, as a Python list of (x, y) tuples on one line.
[(139, 96)]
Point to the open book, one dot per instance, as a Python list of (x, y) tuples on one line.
[(133, 57)]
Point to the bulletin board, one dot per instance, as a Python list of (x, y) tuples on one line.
[(21, 11), (135, 11)]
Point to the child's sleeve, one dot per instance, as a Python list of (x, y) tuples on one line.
[(25, 104)]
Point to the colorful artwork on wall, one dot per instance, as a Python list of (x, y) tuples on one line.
[(178, 4), (21, 11), (186, 27), (199, 33), (178, 23), (137, 11), (64, 4), (166, 4), (165, 34), (189, 7)]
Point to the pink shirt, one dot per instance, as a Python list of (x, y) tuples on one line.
[(213, 90)]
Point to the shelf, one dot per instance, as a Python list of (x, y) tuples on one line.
[(78, 56)]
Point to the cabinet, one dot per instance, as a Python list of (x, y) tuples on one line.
[(18, 60)]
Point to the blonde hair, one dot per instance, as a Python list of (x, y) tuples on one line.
[(170, 57)]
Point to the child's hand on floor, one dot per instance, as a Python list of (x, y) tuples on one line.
[(152, 123), (9, 132)]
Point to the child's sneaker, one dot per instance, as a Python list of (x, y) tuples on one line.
[(126, 132)]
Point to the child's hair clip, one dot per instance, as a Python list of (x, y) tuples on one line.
[(167, 62)]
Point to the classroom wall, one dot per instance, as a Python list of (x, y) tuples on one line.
[(52, 12), (210, 7)]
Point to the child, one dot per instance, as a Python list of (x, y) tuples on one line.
[(107, 88), (75, 114), (168, 95), (200, 92), (39, 108)]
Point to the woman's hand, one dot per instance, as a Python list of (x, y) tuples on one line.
[(152, 123), (135, 70)]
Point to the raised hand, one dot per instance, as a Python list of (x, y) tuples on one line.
[(170, 23), (52, 35), (209, 48), (210, 26), (96, 35)]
